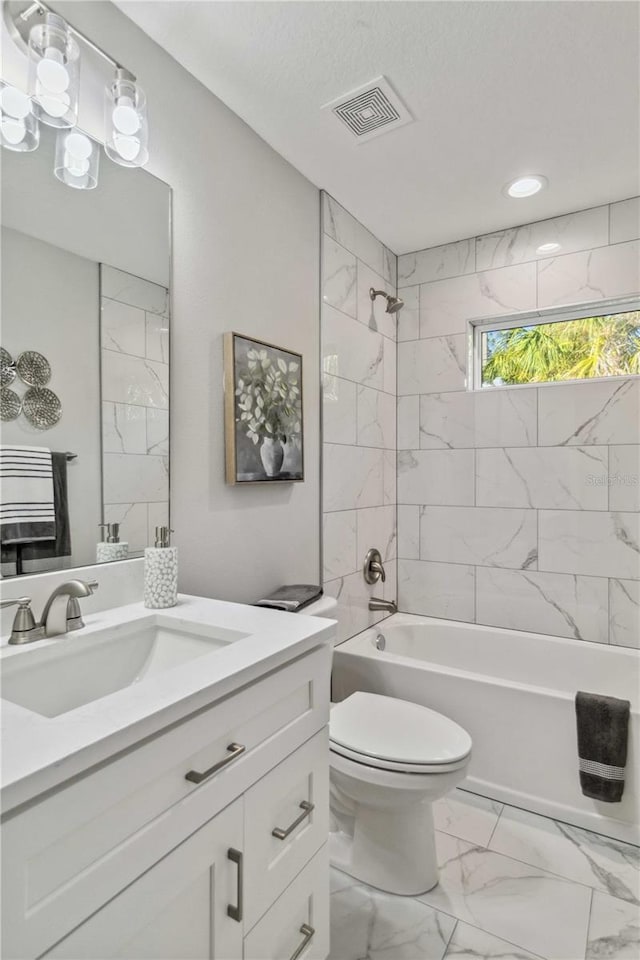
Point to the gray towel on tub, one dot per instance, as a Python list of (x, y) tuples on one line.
[(294, 597), (603, 730)]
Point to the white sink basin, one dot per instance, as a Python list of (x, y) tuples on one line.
[(80, 669)]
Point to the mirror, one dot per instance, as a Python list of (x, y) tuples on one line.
[(85, 363)]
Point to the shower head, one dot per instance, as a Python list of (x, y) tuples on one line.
[(394, 304)]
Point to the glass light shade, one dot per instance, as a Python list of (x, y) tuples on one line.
[(77, 159), (54, 72), (19, 129), (125, 121)]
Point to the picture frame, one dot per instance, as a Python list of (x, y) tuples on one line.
[(264, 412)]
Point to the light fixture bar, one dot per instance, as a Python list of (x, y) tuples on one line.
[(40, 9)]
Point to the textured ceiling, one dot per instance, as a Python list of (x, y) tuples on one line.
[(497, 89)]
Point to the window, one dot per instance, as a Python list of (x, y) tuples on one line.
[(599, 340)]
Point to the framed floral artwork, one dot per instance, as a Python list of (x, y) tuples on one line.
[(263, 412)]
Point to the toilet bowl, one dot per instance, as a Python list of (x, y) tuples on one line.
[(389, 760)]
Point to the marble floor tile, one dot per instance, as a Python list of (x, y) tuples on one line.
[(517, 902), (467, 816), (608, 865), (614, 929), (469, 943), (367, 923)]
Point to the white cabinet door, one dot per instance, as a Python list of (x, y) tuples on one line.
[(178, 910)]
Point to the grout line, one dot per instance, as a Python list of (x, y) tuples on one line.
[(586, 935), (453, 930), (495, 826)]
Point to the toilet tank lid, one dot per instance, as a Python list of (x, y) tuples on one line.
[(391, 729)]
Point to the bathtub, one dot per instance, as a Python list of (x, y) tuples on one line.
[(514, 692)]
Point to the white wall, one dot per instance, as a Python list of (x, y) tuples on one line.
[(50, 303), (519, 507), (245, 258)]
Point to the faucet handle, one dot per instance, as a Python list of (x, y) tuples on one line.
[(92, 585), (16, 601), (23, 622), (373, 569)]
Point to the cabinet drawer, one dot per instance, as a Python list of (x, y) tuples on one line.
[(297, 925), (68, 854), (287, 821)]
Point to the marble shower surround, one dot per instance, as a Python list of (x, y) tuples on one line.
[(359, 415), (518, 507), (134, 334)]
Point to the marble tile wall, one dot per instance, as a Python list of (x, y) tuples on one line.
[(518, 507), (135, 405), (359, 415)]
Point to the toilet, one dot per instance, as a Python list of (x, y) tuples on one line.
[(389, 760)]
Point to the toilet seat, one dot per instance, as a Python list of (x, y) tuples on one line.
[(396, 735)]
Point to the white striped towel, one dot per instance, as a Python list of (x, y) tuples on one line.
[(26, 495)]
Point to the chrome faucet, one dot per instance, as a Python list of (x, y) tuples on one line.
[(61, 612), (389, 606)]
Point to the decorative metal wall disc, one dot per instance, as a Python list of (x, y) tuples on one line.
[(41, 407), (7, 368), (10, 404), (33, 368)]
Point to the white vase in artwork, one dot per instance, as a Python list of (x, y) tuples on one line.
[(272, 456)]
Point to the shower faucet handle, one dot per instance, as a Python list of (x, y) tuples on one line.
[(373, 569)]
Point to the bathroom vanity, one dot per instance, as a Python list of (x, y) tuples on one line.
[(166, 786)]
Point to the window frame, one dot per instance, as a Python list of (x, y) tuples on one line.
[(478, 326)]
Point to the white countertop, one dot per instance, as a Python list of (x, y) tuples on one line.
[(39, 752)]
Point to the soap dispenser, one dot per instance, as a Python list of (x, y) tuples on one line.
[(161, 572), (111, 548)]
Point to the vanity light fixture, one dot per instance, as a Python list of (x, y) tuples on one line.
[(548, 247), (77, 160), (54, 72), (19, 128), (525, 186), (125, 120), (53, 47)]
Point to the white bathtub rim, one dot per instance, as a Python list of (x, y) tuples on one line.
[(572, 816), (416, 619)]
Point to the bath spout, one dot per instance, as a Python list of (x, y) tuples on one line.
[(389, 606)]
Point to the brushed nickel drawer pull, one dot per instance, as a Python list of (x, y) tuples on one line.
[(235, 749), (281, 834), (236, 912), (308, 935)]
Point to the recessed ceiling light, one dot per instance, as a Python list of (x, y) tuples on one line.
[(548, 248), (525, 186)]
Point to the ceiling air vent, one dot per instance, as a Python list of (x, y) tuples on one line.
[(370, 110)]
